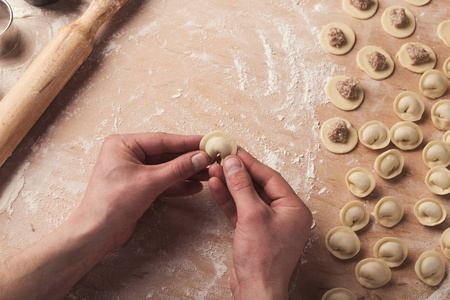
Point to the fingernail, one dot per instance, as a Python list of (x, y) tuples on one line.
[(232, 165), (200, 161)]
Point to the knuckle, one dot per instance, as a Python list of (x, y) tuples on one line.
[(111, 139), (179, 169), (238, 181)]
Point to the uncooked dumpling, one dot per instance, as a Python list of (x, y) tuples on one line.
[(438, 180), (361, 12), (342, 242), (364, 59), (445, 243), (337, 38), (389, 164), (440, 114), (416, 57), (418, 2), (446, 67), (444, 32), (398, 21), (391, 250), (446, 137), (344, 92), (354, 215), (436, 153), (429, 212), (433, 84), (430, 268), (389, 211), (339, 294), (338, 135), (409, 106), (360, 182), (406, 135), (374, 135), (218, 144), (372, 273)]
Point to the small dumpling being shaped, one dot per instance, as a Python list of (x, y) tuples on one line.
[(339, 294), (218, 144), (440, 114), (389, 164), (433, 84), (406, 135), (430, 268), (374, 135), (429, 212), (342, 242), (372, 273), (445, 243), (391, 250), (438, 180), (360, 182), (436, 153), (409, 106), (389, 211), (354, 215)]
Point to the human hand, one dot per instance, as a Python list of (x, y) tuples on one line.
[(132, 170), (271, 225)]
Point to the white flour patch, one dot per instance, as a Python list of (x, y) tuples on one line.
[(12, 188), (272, 78), (27, 12)]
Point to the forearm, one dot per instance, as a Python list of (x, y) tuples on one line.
[(49, 268), (261, 290)]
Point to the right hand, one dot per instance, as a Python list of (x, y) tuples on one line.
[(271, 223)]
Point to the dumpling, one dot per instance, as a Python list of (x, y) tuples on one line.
[(374, 135), (338, 135), (389, 211), (406, 135), (389, 164), (218, 144), (342, 242), (440, 114), (429, 212), (433, 84), (445, 243), (438, 180), (436, 153), (339, 294), (430, 268), (360, 182), (392, 250), (354, 215), (372, 273), (409, 106)]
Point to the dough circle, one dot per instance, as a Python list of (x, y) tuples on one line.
[(389, 211), (218, 144), (391, 250), (389, 164), (429, 212), (360, 14), (440, 114), (446, 67), (339, 148), (409, 106), (436, 154), (349, 35), (438, 180), (430, 268), (339, 294), (406, 135), (374, 135), (342, 242), (445, 243), (363, 63), (340, 101), (418, 2), (444, 32), (372, 273), (433, 84), (401, 32), (360, 182), (354, 215), (405, 60)]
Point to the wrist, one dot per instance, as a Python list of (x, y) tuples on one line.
[(261, 289)]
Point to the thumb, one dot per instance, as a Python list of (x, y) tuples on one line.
[(240, 183)]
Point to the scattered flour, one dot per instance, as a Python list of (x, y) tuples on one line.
[(12, 188)]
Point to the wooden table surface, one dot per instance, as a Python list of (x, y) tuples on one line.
[(251, 68)]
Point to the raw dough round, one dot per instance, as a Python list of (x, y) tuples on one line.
[(401, 32), (360, 182), (433, 84), (445, 243), (340, 101), (354, 215), (429, 212), (374, 135), (363, 63), (436, 153), (440, 114), (405, 60), (447, 137), (406, 135), (360, 14), (444, 32), (418, 2), (218, 144), (389, 164), (339, 294), (409, 106), (342, 242), (372, 273), (352, 138), (430, 268), (389, 211), (438, 180), (392, 250), (446, 67), (349, 35)]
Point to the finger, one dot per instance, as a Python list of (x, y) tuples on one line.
[(200, 176), (183, 188), (159, 143), (216, 170), (223, 199)]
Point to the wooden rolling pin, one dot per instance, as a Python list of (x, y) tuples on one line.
[(48, 73)]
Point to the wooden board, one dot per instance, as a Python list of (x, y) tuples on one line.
[(251, 68)]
